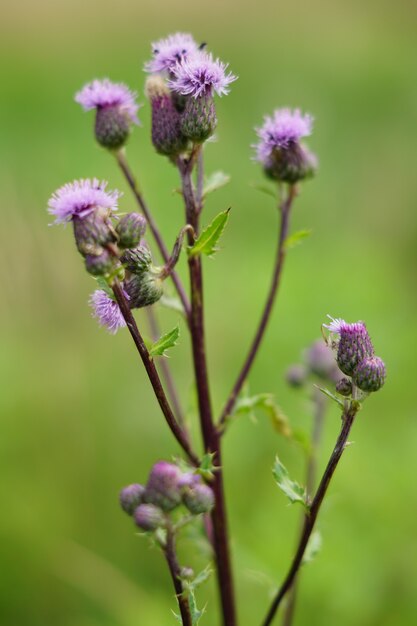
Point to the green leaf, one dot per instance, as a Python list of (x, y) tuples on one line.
[(331, 395), (293, 491), (103, 284), (169, 340), (296, 238), (269, 191), (313, 547), (207, 240), (215, 181), (207, 467), (266, 403), (190, 587)]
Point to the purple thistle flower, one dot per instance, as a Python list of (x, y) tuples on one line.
[(170, 51), (283, 128), (200, 75), (107, 311), (353, 344), (80, 198), (101, 94)]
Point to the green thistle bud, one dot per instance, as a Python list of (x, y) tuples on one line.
[(112, 127), (130, 229), (199, 119), (99, 265), (370, 374), (143, 289), (137, 260)]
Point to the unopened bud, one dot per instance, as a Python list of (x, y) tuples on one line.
[(99, 265), (354, 346), (370, 374), (130, 229), (291, 164), (148, 517), (167, 136), (143, 289), (131, 497), (199, 120), (112, 126), (344, 387), (162, 488), (296, 375), (198, 499), (137, 260)]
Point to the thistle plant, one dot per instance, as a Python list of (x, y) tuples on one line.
[(183, 85)]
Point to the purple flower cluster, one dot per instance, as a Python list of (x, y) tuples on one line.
[(80, 198), (100, 94), (170, 51), (280, 131)]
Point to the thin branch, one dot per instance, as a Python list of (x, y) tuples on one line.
[(320, 404), (175, 570), (200, 180), (124, 166), (253, 350), (348, 418), (211, 437), (152, 372)]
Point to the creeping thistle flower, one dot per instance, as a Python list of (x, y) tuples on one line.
[(198, 78), (353, 344), (107, 310), (167, 136), (170, 51), (131, 497), (370, 374), (116, 111), (279, 149)]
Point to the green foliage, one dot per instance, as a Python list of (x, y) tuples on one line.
[(207, 241), (313, 547), (293, 491), (331, 395), (215, 181), (166, 341), (296, 238), (103, 284), (266, 403), (189, 588), (207, 467)]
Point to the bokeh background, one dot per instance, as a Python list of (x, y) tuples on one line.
[(78, 419)]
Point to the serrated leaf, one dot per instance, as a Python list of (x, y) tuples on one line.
[(189, 587), (296, 238), (207, 240), (313, 547), (104, 286), (215, 181), (293, 491), (269, 191), (207, 467), (168, 340), (331, 395), (266, 403)]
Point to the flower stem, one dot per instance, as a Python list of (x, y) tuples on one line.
[(211, 437), (348, 418), (285, 209), (175, 570), (124, 166), (320, 404), (152, 372)]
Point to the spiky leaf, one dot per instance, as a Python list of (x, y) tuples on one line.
[(293, 491), (168, 340), (207, 241), (296, 238)]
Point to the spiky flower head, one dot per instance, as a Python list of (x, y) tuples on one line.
[(162, 488), (370, 374), (80, 198), (167, 136), (279, 149), (170, 51), (130, 230), (131, 497), (116, 111), (353, 344), (107, 310), (102, 94), (148, 517), (201, 75), (198, 498)]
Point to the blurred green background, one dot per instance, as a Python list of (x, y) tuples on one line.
[(78, 418)]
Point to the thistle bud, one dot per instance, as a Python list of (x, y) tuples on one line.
[(131, 497), (93, 232), (370, 374), (143, 289), (296, 375), (130, 229), (198, 499), (163, 488), (199, 120), (344, 387), (148, 517), (291, 164), (353, 347), (167, 136), (99, 265), (112, 127), (137, 260)]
